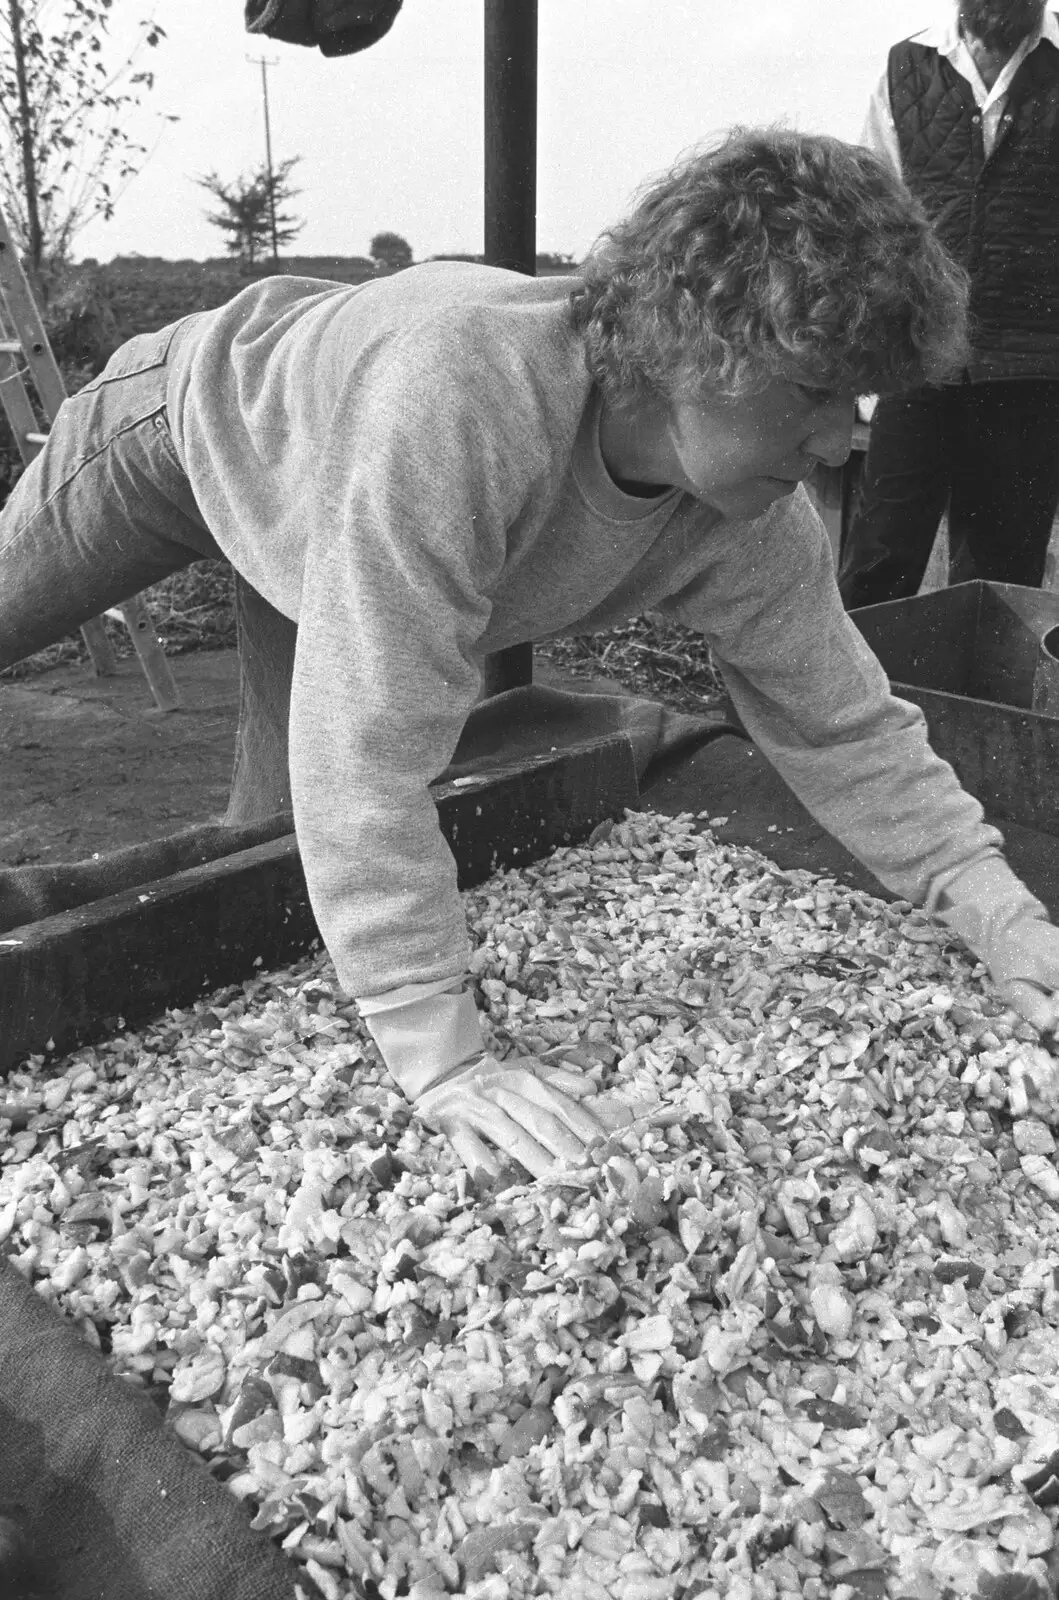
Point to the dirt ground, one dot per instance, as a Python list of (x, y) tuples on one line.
[(88, 764)]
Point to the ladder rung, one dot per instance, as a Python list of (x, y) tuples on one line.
[(10, 347), (36, 438)]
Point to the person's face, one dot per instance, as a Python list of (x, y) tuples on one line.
[(1001, 24), (742, 454)]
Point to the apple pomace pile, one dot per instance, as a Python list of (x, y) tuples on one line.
[(794, 1331)]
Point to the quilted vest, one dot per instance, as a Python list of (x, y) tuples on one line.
[(998, 217)]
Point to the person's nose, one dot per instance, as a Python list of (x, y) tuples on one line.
[(832, 437)]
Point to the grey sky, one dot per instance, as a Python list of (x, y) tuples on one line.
[(392, 138)]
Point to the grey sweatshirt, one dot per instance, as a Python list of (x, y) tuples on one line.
[(410, 469)]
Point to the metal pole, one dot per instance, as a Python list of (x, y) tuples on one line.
[(264, 64), (511, 134), (510, 199)]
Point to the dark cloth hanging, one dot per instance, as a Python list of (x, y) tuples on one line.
[(337, 27)]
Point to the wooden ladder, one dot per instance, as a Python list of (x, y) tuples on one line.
[(24, 344)]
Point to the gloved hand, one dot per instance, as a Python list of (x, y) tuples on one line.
[(528, 1112), (431, 1041), (1008, 929)]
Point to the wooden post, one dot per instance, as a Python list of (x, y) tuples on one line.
[(510, 201)]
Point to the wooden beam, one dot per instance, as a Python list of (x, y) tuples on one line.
[(88, 973)]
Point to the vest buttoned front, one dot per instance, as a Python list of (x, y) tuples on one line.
[(998, 216)]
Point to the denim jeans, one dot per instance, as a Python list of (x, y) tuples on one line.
[(104, 511)]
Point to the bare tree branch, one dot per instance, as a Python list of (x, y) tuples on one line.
[(65, 153)]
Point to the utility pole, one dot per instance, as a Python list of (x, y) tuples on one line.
[(264, 63)]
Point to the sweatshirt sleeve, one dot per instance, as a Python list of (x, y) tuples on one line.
[(423, 471), (816, 701)]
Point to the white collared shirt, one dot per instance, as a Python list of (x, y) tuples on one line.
[(879, 132)]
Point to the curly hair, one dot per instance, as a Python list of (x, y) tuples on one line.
[(772, 254)]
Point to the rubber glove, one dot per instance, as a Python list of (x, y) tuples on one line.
[(431, 1042), (1008, 929)]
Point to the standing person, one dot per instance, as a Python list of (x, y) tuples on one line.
[(412, 473), (968, 113)]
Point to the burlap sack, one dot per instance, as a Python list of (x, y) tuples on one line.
[(105, 1500)]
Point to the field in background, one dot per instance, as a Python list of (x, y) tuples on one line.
[(146, 292)]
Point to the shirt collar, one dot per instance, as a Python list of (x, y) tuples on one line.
[(944, 37)]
